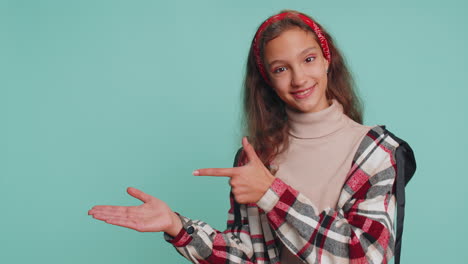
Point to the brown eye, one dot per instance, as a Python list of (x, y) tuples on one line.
[(310, 59), (279, 69)]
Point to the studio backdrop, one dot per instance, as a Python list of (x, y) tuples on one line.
[(97, 96)]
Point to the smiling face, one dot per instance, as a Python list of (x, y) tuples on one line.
[(297, 70)]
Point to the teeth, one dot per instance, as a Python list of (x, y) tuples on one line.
[(304, 92)]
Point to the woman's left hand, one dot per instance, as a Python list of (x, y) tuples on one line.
[(249, 182)]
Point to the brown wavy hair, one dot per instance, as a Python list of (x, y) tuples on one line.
[(264, 117)]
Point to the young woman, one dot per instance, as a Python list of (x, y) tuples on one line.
[(312, 184)]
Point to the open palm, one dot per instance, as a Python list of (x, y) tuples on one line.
[(152, 216)]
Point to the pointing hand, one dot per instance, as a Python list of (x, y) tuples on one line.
[(249, 182)]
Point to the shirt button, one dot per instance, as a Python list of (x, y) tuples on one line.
[(190, 230)]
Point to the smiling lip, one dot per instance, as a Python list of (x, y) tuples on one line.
[(301, 94)]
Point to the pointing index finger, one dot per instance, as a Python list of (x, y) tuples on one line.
[(219, 172)]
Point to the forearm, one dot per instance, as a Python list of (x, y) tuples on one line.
[(364, 233), (200, 243)]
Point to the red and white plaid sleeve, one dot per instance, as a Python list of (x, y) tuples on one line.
[(361, 229), (200, 243)]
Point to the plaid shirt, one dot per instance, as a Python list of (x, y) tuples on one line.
[(360, 230)]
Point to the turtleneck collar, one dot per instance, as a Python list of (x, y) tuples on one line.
[(316, 124)]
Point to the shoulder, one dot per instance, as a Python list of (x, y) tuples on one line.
[(375, 154), (378, 141), (381, 156), (373, 164), (379, 137), (378, 155)]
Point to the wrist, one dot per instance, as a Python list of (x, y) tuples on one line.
[(176, 225), (270, 180), (266, 185)]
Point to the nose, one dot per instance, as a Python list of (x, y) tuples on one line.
[(298, 77)]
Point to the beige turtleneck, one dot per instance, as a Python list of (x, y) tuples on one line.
[(322, 146)]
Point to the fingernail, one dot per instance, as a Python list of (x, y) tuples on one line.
[(196, 173)]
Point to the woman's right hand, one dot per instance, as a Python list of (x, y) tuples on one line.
[(152, 216)]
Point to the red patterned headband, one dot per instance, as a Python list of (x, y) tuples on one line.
[(323, 41)]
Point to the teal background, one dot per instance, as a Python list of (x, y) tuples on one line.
[(96, 96)]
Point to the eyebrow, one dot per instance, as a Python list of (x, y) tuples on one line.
[(302, 53)]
